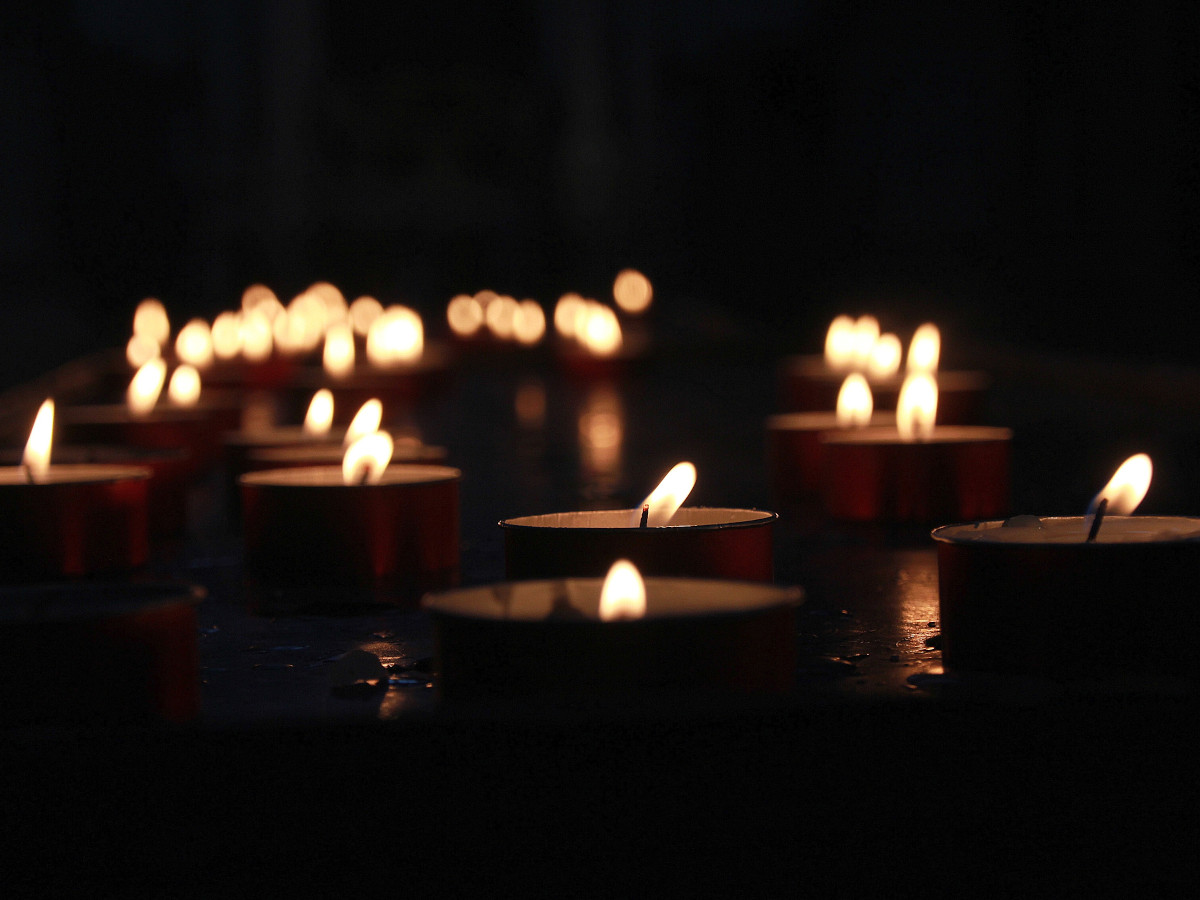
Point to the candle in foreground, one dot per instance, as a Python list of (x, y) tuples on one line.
[(1035, 595), (638, 638)]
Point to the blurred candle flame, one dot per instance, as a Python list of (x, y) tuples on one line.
[(566, 311), (529, 322), (623, 595), (338, 357), (184, 386), (854, 402), (362, 312), (146, 385), (464, 314), (916, 408), (885, 357), (260, 297), (227, 335), (194, 344), (601, 332), (319, 418), (140, 349), (670, 494), (925, 349), (866, 333), (257, 338), (1126, 488), (632, 291), (150, 319), (397, 336), (500, 316), (839, 344), (36, 458), (366, 420), (365, 460)]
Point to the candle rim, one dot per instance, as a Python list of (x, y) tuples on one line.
[(757, 518), (294, 478), (404, 452), (942, 534), (94, 473), (66, 601), (818, 420), (945, 435)]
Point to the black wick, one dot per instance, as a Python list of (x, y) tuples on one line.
[(1095, 529), (645, 516)]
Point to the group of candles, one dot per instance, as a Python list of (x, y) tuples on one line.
[(380, 522)]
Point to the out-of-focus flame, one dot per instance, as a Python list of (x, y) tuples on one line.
[(854, 402), (632, 291), (184, 387), (146, 385), (623, 595), (150, 319), (500, 316), (395, 337), (529, 322), (601, 434), (925, 349), (566, 310), (333, 299), (366, 459), (227, 335), (262, 298), (1126, 488), (601, 332), (256, 336), (338, 358), (866, 333), (366, 420), (465, 315), (885, 357), (319, 418), (665, 499), (530, 404), (363, 311), (307, 318), (140, 349), (916, 408), (194, 344), (36, 458), (839, 344)]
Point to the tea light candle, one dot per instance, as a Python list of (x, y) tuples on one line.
[(698, 541), (68, 521), (572, 638), (319, 536)]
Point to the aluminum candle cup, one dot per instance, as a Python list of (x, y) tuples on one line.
[(1041, 600), (796, 455), (311, 540), (99, 652), (700, 542), (956, 474), (78, 520), (545, 639)]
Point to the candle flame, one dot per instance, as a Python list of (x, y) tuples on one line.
[(501, 315), (529, 322), (839, 344), (257, 338), (36, 458), (566, 310), (665, 499), (866, 333), (854, 402), (925, 349), (600, 332), (465, 315), (150, 319), (184, 386), (623, 595), (140, 349), (331, 298), (227, 335), (916, 408), (366, 459), (885, 357), (397, 336), (1126, 488), (338, 357), (307, 318), (365, 421), (632, 291), (362, 312), (194, 344), (146, 385), (319, 418), (259, 296)]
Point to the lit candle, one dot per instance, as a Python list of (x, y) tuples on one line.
[(69, 521), (1036, 595), (623, 637), (676, 540)]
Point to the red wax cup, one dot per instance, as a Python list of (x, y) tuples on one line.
[(959, 473), (311, 540), (1047, 602), (701, 542), (77, 521), (240, 445), (162, 428), (404, 450), (796, 455), (99, 652), (399, 385), (806, 384), (544, 639)]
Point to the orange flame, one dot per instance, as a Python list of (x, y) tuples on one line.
[(194, 344), (319, 418), (1126, 488), (839, 344), (623, 595), (925, 349), (632, 291), (146, 385), (36, 458), (338, 357), (184, 386), (916, 408), (854, 402), (666, 499), (365, 421), (365, 460)]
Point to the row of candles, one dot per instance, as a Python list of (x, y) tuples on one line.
[(365, 529)]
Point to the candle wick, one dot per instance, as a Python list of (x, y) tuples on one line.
[(645, 516), (1095, 529), (28, 470)]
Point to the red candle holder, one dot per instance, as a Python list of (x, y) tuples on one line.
[(701, 542), (162, 428), (796, 453)]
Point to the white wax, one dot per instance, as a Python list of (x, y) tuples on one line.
[(1029, 530), (627, 518)]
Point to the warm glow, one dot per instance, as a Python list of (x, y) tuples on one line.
[(465, 315), (367, 419), (184, 386), (866, 333), (623, 595), (839, 344), (227, 335), (307, 318), (150, 319), (854, 402), (319, 418), (397, 336), (194, 344), (262, 298), (333, 299), (632, 291), (665, 499), (529, 322), (530, 404), (566, 313), (601, 432), (363, 311), (256, 336), (145, 387), (500, 315), (36, 458), (916, 408), (601, 332), (366, 459), (339, 350), (141, 349), (885, 357), (1126, 488), (925, 349)]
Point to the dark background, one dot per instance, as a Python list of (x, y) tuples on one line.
[(1012, 170)]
